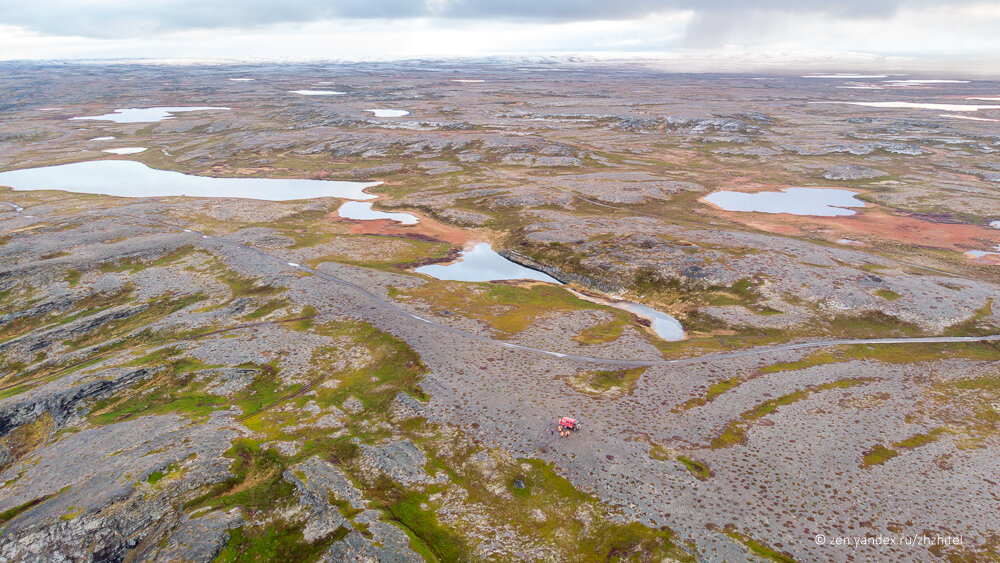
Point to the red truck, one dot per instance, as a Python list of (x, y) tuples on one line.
[(567, 424)]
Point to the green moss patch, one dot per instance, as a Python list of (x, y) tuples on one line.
[(714, 390), (877, 455), (602, 333), (888, 294), (608, 382), (760, 549), (119, 328), (905, 353), (135, 264), (10, 514), (698, 468), (919, 440), (72, 277), (267, 308), (507, 308), (735, 432)]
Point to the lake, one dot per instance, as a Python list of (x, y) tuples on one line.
[(825, 202), (147, 115), (916, 105), (127, 178)]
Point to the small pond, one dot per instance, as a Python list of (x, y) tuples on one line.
[(362, 210), (825, 202), (481, 264)]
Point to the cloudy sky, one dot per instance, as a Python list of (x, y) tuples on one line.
[(946, 31)]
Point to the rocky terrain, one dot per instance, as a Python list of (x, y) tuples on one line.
[(199, 379)]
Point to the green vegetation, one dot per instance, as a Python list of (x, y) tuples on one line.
[(894, 354), (968, 407), (985, 382), (507, 308), (276, 542), (919, 440), (760, 549), (384, 253), (121, 327), (604, 382), (243, 286), (888, 294), (659, 453), (168, 390), (698, 468), (978, 324), (154, 477), (8, 515), (386, 368), (735, 432), (877, 455), (432, 538), (72, 277), (91, 304), (602, 333), (742, 292), (25, 438), (257, 485), (870, 324), (305, 321), (714, 390), (308, 237), (268, 308), (133, 265)]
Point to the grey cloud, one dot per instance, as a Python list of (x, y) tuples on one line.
[(137, 18)]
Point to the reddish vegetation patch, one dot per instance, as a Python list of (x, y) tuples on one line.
[(875, 223)]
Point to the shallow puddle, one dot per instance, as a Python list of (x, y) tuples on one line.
[(982, 253)]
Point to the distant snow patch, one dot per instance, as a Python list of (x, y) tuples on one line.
[(318, 92), (389, 112)]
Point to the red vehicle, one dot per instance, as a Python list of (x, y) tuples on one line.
[(566, 424)]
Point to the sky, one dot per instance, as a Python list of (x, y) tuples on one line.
[(952, 34)]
